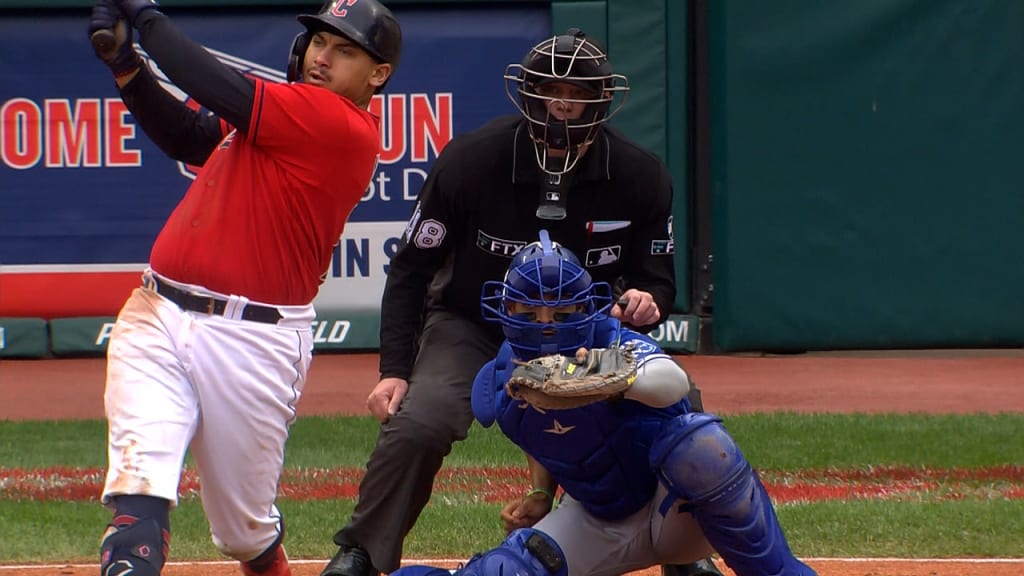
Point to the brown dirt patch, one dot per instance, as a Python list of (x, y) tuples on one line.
[(956, 382)]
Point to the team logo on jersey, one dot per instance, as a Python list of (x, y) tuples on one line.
[(642, 348), (558, 429), (246, 67), (604, 255), (498, 246)]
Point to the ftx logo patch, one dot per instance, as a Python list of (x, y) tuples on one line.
[(497, 246)]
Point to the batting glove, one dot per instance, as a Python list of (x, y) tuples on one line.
[(121, 57), (133, 8)]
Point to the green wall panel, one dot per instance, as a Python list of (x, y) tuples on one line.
[(643, 62), (591, 17), (867, 174)]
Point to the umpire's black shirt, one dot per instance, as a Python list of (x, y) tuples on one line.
[(478, 207)]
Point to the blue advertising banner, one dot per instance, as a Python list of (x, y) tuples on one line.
[(84, 192)]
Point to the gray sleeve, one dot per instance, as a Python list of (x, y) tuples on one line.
[(660, 382)]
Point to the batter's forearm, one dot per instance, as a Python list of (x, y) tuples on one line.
[(193, 69)]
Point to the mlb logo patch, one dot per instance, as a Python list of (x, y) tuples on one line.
[(602, 256)]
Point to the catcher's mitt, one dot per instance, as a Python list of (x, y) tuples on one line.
[(560, 382)]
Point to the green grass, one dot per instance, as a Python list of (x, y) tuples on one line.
[(777, 441), (33, 531)]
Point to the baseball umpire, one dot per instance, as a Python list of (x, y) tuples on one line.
[(211, 353), (557, 165), (646, 481)]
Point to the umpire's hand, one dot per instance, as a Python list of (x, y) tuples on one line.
[(386, 397), (637, 308)]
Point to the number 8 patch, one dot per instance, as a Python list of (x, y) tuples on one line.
[(430, 235)]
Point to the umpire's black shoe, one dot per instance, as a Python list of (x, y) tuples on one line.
[(703, 567), (350, 561)]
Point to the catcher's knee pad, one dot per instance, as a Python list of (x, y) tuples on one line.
[(525, 552), (698, 461), (133, 546)]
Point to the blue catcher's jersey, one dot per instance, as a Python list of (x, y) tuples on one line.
[(597, 453)]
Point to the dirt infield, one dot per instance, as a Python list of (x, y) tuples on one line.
[(927, 382), (955, 382)]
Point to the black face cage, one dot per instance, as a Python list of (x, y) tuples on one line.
[(573, 59)]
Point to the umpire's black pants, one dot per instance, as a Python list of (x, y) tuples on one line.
[(412, 445)]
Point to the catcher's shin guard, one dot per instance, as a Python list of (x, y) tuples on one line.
[(700, 463), (133, 546), (525, 552)]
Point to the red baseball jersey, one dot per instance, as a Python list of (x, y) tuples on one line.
[(263, 215)]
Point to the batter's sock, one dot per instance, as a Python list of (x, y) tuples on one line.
[(273, 562)]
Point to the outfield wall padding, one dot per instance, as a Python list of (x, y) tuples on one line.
[(23, 338), (868, 184)]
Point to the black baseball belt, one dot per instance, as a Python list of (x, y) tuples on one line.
[(214, 306)]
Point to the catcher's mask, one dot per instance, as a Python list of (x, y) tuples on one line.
[(368, 23), (569, 58), (546, 274)]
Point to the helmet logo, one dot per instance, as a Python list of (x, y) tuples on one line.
[(339, 7)]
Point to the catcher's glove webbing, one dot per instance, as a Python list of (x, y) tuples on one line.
[(560, 382)]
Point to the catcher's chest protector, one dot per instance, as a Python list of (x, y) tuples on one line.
[(597, 453)]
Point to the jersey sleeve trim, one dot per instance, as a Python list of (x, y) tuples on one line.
[(257, 110)]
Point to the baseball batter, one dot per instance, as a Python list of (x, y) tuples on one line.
[(645, 480), (211, 353)]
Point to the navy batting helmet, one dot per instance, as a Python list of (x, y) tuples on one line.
[(368, 23)]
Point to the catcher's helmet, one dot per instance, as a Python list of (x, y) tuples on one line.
[(368, 23), (545, 273), (570, 58)]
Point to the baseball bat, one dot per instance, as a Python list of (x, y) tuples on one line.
[(103, 42)]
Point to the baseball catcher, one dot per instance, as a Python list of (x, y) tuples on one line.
[(645, 480)]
